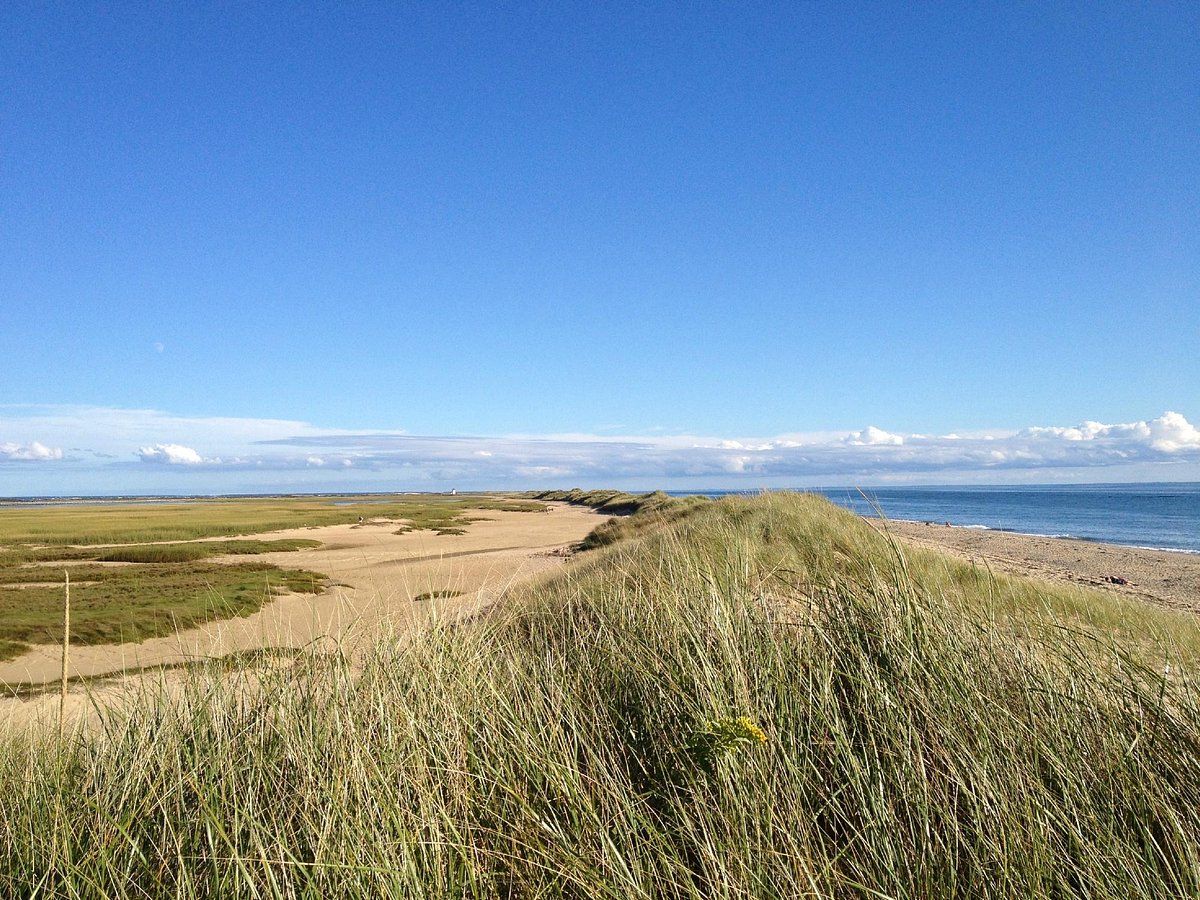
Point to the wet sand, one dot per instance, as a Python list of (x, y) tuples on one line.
[(1156, 576)]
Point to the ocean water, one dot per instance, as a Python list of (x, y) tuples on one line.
[(1162, 516)]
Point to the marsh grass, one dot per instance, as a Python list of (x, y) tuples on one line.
[(166, 590), (196, 550), (189, 551), (181, 521), (131, 603), (930, 732)]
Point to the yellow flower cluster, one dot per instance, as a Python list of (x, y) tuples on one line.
[(750, 729)]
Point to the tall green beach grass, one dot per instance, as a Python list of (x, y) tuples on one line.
[(752, 697)]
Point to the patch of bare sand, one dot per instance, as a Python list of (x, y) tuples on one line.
[(1157, 576), (377, 575)]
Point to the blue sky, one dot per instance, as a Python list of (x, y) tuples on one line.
[(251, 247)]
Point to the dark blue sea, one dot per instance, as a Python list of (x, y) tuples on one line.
[(1162, 516)]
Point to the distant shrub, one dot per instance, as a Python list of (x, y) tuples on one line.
[(436, 595)]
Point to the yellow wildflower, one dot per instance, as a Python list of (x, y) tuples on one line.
[(750, 729)]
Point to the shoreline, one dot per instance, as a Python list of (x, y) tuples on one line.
[(1034, 534), (1165, 577)]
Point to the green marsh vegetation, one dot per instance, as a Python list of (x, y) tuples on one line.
[(190, 520), (170, 583), (761, 697), (111, 605)]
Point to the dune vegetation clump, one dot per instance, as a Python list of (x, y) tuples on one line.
[(632, 514), (765, 697)]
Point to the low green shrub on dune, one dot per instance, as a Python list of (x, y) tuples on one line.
[(633, 514), (763, 698)]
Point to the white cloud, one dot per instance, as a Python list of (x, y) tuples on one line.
[(872, 436), (172, 455), (32, 451), (1171, 433), (297, 455)]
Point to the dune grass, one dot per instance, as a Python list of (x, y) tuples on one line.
[(616, 503), (764, 698), (632, 514)]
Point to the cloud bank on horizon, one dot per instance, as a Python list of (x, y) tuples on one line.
[(71, 450)]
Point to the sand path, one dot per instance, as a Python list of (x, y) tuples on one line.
[(376, 573)]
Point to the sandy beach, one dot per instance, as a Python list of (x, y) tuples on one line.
[(1157, 576), (378, 576)]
